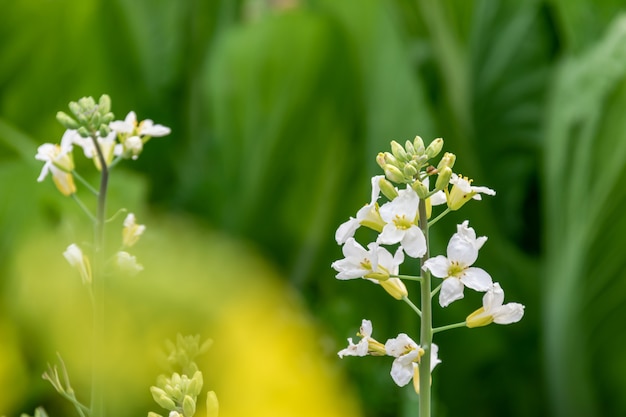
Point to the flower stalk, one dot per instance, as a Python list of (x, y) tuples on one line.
[(426, 332)]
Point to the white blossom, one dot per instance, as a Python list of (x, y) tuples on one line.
[(400, 217), (493, 310)]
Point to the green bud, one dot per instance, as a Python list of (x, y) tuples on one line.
[(104, 130), (75, 108), (420, 189), (151, 414), (83, 132), (161, 398), (189, 406), (398, 151), (409, 148), (82, 119), (87, 104), (108, 117), (434, 148), (409, 171), (66, 120), (393, 174), (387, 189), (418, 144), (380, 160), (443, 179), (447, 160), (421, 160), (391, 160), (104, 104), (96, 119), (212, 405), (195, 385)]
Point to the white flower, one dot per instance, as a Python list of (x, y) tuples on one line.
[(463, 190), (127, 263), (74, 255), (376, 262), (131, 231), (400, 215), (108, 146), (367, 216), (130, 127), (408, 353), (366, 345), (59, 162), (456, 269), (493, 311)]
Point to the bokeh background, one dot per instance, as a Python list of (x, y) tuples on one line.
[(277, 110)]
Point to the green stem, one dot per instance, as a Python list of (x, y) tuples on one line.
[(413, 306), (436, 290), (448, 327), (83, 207), (426, 333), (85, 183), (407, 277), (97, 388), (439, 217)]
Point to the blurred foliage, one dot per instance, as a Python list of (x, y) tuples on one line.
[(277, 110)]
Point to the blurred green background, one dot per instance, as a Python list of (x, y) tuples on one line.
[(277, 110)]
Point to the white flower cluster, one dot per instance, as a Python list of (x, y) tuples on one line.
[(398, 223)]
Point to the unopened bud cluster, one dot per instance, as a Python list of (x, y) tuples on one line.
[(89, 117)]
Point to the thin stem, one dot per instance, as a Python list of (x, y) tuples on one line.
[(413, 306), (407, 277), (439, 217), (448, 327), (85, 183), (97, 389), (436, 290), (426, 334), (83, 207)]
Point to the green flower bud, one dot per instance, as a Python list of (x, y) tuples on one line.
[(447, 160), (104, 104), (104, 130), (420, 189), (83, 132), (189, 406), (409, 148), (434, 148), (443, 179), (161, 398), (393, 174), (418, 144), (380, 160), (398, 151), (108, 118), (75, 108), (409, 171), (96, 119), (87, 104), (390, 159), (195, 384), (387, 189), (66, 120), (212, 405), (151, 414)]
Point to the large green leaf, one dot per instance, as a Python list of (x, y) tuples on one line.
[(585, 165)]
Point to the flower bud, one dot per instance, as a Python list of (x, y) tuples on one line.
[(418, 144), (409, 171), (66, 120), (96, 119), (195, 384), (395, 287), (443, 179), (189, 406), (434, 148), (104, 104), (393, 174), (380, 160), (478, 318), (398, 151), (152, 414), (104, 130), (420, 189), (75, 108), (83, 132), (447, 160), (161, 398), (387, 189), (410, 150), (212, 405)]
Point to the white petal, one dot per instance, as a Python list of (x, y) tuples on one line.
[(462, 250), (414, 242), (376, 188), (509, 313), (401, 373), (347, 270), (398, 346), (434, 358), (390, 234), (438, 266), (451, 290), (477, 279), (493, 299), (366, 328), (346, 230), (483, 190), (438, 198)]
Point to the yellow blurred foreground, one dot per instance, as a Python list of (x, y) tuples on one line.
[(266, 360)]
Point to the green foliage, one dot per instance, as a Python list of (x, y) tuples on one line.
[(276, 119)]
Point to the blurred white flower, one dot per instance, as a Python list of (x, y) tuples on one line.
[(366, 345), (463, 190), (493, 310), (74, 255), (131, 231)]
